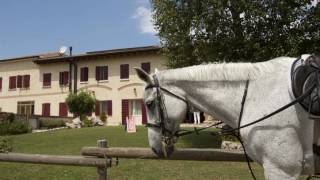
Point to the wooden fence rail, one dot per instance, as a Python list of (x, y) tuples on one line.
[(101, 156), (180, 154), (54, 159)]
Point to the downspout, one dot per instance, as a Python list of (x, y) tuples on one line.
[(70, 76), (75, 77), (70, 69)]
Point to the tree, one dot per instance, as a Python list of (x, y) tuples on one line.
[(81, 103), (192, 31)]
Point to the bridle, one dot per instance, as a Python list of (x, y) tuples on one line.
[(168, 137)]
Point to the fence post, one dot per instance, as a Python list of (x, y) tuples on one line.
[(102, 171)]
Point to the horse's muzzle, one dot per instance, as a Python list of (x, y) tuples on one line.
[(164, 152)]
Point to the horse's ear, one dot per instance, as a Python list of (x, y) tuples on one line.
[(143, 75)]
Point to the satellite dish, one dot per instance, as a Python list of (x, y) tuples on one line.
[(63, 50)]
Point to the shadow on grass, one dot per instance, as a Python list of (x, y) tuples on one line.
[(202, 140)]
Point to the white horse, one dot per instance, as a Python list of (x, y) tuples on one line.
[(282, 144)]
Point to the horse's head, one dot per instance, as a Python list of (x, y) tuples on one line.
[(165, 109)]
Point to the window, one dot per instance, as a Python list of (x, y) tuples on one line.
[(101, 73), (26, 107), (124, 71), (12, 82), (63, 110), (64, 78), (84, 74), (146, 67), (23, 81), (134, 109), (104, 106), (0, 83), (26, 81), (46, 79), (46, 109)]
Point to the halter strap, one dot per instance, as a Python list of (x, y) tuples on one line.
[(157, 85)]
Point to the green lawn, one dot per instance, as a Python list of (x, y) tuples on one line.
[(70, 141)]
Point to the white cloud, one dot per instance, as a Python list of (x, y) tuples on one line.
[(144, 16)]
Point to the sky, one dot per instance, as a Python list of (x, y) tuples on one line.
[(40, 26)]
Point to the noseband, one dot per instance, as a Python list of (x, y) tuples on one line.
[(167, 135)]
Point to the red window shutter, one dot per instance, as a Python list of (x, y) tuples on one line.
[(61, 78), (19, 81), (84, 74), (109, 106), (144, 113), (47, 79), (97, 110), (124, 71), (66, 78), (125, 110), (146, 67), (97, 73), (12, 82), (0, 83), (63, 110), (46, 109), (105, 72), (26, 81)]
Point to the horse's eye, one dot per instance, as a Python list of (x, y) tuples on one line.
[(149, 104)]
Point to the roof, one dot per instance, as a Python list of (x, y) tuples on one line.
[(46, 55), (58, 57), (112, 52)]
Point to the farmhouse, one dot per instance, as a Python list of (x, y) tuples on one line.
[(38, 85)]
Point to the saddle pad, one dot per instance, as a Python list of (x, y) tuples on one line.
[(304, 75)]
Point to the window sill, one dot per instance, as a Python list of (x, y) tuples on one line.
[(13, 89), (46, 87), (83, 82), (124, 80), (103, 81), (24, 88)]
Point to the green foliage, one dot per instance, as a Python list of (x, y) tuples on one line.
[(87, 122), (14, 128), (10, 118), (103, 117), (193, 32), (5, 144), (81, 103), (52, 123)]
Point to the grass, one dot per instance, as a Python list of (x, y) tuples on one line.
[(70, 141)]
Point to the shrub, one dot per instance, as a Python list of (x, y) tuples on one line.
[(81, 103), (103, 117), (10, 118), (87, 122), (14, 128), (5, 144), (52, 123)]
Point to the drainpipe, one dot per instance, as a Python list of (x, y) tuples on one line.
[(75, 77), (70, 69)]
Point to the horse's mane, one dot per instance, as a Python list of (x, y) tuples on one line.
[(224, 71)]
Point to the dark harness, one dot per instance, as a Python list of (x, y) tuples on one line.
[(306, 74)]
